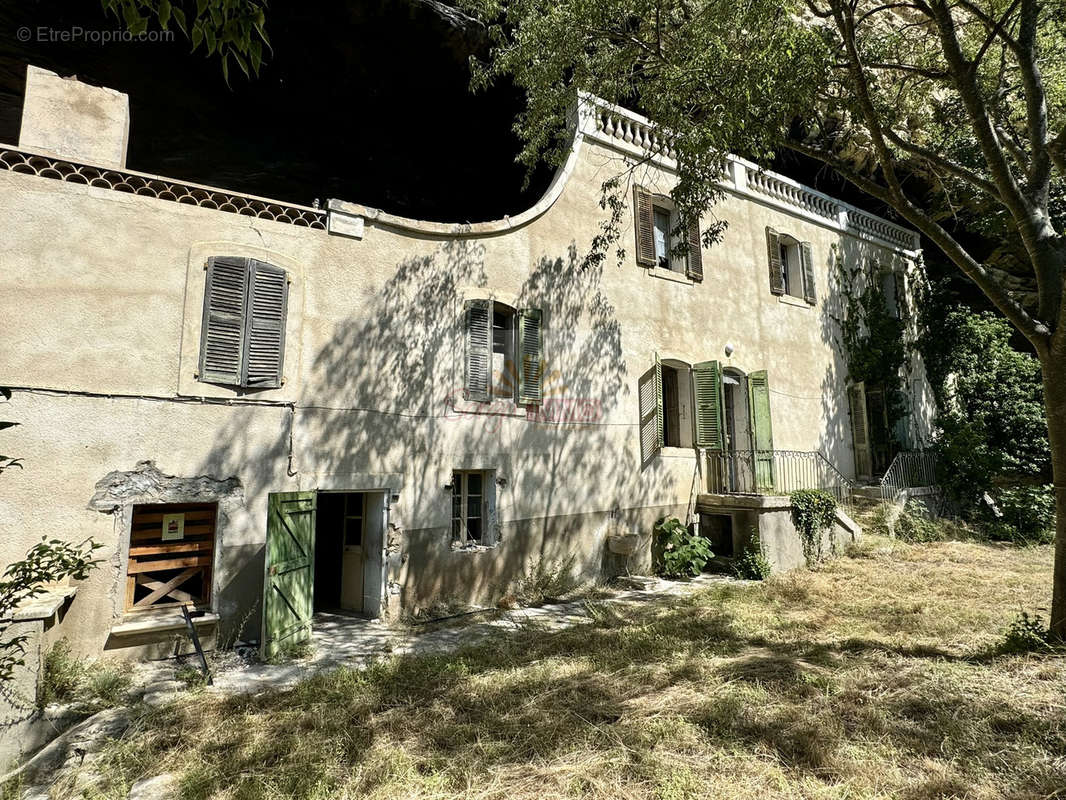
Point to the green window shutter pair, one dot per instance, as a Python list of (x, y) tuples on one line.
[(242, 342), (478, 355)]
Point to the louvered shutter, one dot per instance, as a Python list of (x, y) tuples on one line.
[(707, 384), (650, 400), (529, 355), (268, 297), (222, 334), (762, 429), (860, 436), (478, 349), (644, 227), (808, 273), (773, 255), (694, 267)]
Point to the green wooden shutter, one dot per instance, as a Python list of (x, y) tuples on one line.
[(478, 349), (860, 431), (264, 344), (650, 401), (773, 255), (644, 227), (530, 366), (762, 429), (694, 266), (707, 385), (808, 273), (222, 336), (289, 571)]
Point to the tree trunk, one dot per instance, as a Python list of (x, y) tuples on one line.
[(1054, 371)]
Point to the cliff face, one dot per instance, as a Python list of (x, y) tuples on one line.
[(361, 101)]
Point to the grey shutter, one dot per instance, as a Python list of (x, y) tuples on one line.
[(529, 355), (707, 384), (694, 267), (808, 273), (860, 428), (644, 227), (650, 402), (268, 298), (902, 308), (222, 333), (478, 349), (773, 255)]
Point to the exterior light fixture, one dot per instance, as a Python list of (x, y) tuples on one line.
[(728, 349)]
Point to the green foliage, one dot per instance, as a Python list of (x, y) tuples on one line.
[(915, 524), (753, 565), (544, 581), (992, 429), (89, 685), (1026, 634), (51, 560), (682, 553), (813, 511), (234, 30)]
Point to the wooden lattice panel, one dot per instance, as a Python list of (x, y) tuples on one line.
[(172, 550)]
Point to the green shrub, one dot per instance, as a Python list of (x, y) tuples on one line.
[(682, 553), (813, 511), (916, 524), (1026, 634), (1028, 515), (90, 685), (753, 565)]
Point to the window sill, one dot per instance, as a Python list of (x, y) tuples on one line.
[(678, 452), (489, 408), (669, 275), (473, 548), (789, 300), (136, 623)]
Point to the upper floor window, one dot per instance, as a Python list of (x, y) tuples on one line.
[(893, 287), (242, 340), (503, 353), (663, 241), (791, 266)]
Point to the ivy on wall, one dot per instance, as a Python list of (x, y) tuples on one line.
[(813, 511)]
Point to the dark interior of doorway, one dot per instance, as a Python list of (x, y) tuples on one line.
[(329, 551)]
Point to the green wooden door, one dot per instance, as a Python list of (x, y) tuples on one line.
[(762, 430), (289, 575)]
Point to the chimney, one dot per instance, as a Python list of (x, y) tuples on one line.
[(66, 118)]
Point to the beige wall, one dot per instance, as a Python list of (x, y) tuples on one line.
[(102, 293)]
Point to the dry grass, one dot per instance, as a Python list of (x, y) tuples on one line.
[(875, 676)]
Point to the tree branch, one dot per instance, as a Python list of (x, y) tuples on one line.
[(959, 171)]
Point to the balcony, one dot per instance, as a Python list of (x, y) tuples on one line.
[(775, 472)]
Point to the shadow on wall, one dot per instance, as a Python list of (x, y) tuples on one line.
[(384, 396)]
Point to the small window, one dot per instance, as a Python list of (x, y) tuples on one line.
[(242, 339), (171, 555), (791, 267), (666, 242), (504, 372), (677, 405), (893, 290), (472, 508)]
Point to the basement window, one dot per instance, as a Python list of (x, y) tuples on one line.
[(171, 555), (473, 508)]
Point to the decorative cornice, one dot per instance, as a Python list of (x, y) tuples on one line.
[(139, 183)]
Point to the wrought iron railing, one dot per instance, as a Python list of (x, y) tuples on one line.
[(775, 472), (908, 471)]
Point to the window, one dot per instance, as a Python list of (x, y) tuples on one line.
[(171, 555), (894, 290), (659, 243), (503, 353), (677, 405), (242, 341), (473, 508), (791, 266)]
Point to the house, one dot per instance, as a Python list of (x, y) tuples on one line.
[(267, 409)]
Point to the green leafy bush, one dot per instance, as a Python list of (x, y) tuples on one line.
[(753, 565), (813, 511), (1028, 515), (1026, 634), (682, 553)]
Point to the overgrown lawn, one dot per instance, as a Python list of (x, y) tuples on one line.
[(875, 676)]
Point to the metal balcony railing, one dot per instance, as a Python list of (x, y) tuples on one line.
[(908, 471), (775, 472)]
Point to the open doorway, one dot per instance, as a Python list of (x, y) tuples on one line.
[(349, 529)]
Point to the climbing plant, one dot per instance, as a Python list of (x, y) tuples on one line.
[(813, 511)]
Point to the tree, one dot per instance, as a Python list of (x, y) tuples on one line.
[(933, 107)]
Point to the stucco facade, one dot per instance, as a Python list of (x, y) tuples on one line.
[(102, 294)]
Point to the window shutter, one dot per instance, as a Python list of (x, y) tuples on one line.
[(222, 335), (529, 355), (478, 349), (695, 252), (860, 437), (264, 347), (644, 227), (808, 273), (762, 429), (773, 254), (649, 398), (659, 423), (901, 295), (707, 384)]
